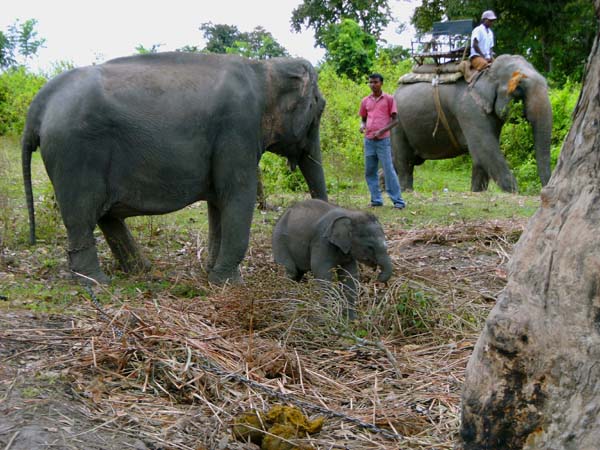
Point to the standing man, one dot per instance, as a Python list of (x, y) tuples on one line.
[(378, 112), (482, 42)]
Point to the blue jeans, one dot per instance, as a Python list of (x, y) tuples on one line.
[(380, 151)]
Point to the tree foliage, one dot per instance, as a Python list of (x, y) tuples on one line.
[(257, 44), (371, 15), (141, 50), (350, 50), (555, 35), (20, 40)]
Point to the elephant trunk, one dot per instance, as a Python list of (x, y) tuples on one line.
[(538, 111), (385, 263), (312, 170)]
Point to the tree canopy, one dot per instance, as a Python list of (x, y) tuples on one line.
[(257, 44), (371, 15), (21, 39), (555, 35), (350, 49)]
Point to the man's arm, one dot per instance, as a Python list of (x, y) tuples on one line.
[(393, 122), (476, 47)]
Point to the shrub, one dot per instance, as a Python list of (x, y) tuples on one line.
[(17, 89)]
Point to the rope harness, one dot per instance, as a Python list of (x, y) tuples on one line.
[(441, 117)]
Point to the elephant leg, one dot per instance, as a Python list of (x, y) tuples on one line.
[(403, 157), (79, 202), (261, 196), (294, 273), (325, 267), (483, 141), (348, 275), (122, 244), (236, 218), (214, 235), (479, 178), (235, 189), (291, 269), (82, 252)]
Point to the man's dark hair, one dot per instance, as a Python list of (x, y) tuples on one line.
[(376, 75)]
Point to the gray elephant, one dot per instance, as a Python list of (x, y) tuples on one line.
[(475, 115), (317, 236), (150, 134)]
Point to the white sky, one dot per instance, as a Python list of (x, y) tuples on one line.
[(85, 32)]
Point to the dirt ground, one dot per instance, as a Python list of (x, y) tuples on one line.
[(48, 371)]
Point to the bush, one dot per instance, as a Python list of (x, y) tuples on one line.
[(17, 89)]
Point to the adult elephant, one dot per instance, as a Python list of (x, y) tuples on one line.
[(150, 134), (469, 118)]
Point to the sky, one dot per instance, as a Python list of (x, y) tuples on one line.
[(85, 32)]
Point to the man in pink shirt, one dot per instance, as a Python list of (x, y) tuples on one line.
[(378, 112)]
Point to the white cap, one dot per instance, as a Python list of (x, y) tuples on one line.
[(488, 15)]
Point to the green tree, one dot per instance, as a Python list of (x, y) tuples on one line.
[(371, 15), (7, 51), (219, 37), (555, 35), (141, 50), (394, 53), (257, 44), (21, 39), (350, 50)]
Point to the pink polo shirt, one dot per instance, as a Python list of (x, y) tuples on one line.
[(378, 111)]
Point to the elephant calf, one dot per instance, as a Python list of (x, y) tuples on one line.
[(316, 236)]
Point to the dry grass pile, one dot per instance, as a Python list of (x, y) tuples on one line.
[(179, 372)]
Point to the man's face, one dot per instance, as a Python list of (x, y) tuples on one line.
[(488, 23), (375, 85)]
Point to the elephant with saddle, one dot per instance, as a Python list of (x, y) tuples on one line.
[(150, 134), (439, 121)]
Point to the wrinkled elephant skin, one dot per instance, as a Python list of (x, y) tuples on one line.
[(151, 134)]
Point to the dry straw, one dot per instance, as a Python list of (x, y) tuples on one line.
[(176, 375)]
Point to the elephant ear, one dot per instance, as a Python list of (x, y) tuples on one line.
[(294, 99), (303, 112), (339, 233)]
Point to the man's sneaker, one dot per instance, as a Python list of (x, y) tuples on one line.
[(399, 205), (376, 205)]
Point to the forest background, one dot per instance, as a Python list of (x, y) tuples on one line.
[(349, 31)]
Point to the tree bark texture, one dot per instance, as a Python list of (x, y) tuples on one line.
[(533, 381)]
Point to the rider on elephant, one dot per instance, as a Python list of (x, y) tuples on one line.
[(482, 42)]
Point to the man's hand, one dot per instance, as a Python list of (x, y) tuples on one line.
[(362, 127)]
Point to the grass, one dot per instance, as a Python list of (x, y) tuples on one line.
[(400, 363)]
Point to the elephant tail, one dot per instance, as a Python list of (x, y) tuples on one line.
[(31, 141)]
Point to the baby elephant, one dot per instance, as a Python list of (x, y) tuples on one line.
[(317, 236)]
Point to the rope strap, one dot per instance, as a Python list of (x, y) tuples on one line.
[(441, 116)]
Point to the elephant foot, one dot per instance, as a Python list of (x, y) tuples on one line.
[(85, 267), (221, 277), (294, 274), (135, 265), (91, 279)]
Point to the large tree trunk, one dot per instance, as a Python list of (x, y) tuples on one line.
[(533, 381)]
